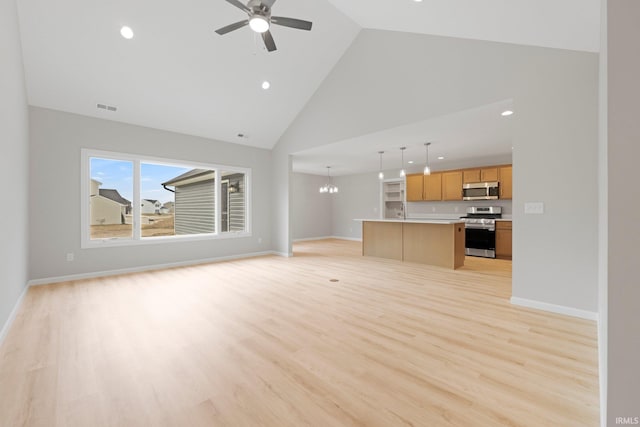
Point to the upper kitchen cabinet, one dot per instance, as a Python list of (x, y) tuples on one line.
[(488, 174), (452, 185), (470, 175), (415, 188), (480, 175), (432, 185), (505, 179)]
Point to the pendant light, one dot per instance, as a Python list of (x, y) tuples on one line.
[(328, 188), (380, 174), (427, 169), (403, 173)]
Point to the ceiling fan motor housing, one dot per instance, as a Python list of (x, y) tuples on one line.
[(258, 8)]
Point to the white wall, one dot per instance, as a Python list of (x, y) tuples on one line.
[(623, 151), (359, 197), (387, 79), (56, 140), (311, 209), (14, 174)]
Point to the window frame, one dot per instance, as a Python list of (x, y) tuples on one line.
[(136, 238)]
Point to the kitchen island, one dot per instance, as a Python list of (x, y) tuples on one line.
[(434, 242)]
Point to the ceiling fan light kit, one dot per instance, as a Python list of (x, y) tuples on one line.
[(260, 20)]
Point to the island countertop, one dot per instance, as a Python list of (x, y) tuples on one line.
[(413, 220)]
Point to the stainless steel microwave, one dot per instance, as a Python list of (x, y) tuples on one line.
[(480, 191)]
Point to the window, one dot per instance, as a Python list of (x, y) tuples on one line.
[(133, 200)]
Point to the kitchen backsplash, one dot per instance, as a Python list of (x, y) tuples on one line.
[(453, 210)]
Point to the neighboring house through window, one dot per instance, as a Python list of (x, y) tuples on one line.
[(150, 199)]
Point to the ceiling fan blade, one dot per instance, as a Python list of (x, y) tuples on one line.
[(291, 22), (268, 3), (268, 41), (231, 27), (239, 5)]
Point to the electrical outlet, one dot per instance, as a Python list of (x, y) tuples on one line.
[(535, 208), (70, 256)]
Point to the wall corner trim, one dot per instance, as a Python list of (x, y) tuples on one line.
[(554, 308), (13, 314)]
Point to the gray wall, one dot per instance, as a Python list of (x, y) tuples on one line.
[(603, 232), (359, 197), (624, 229), (311, 210), (555, 95), (14, 171), (56, 140), (454, 209)]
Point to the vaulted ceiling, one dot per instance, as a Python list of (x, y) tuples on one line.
[(177, 74)]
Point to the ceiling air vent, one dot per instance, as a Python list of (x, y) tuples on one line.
[(107, 107)]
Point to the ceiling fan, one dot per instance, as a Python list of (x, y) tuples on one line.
[(260, 20)]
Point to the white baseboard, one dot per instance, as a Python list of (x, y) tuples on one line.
[(12, 315), (308, 239), (49, 280), (283, 254), (353, 239), (560, 309)]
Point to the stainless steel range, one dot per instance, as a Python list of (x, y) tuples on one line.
[(480, 230)]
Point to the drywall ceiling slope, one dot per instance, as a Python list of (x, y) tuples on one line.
[(562, 24), (475, 137), (176, 73)]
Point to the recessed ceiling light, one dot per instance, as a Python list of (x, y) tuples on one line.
[(266, 85), (440, 157), (410, 162), (417, 1), (507, 113), (126, 32)]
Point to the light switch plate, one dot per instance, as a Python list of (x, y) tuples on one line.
[(536, 208)]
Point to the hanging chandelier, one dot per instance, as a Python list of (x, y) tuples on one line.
[(403, 173), (328, 187), (381, 174)]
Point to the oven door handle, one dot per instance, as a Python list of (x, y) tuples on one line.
[(480, 227)]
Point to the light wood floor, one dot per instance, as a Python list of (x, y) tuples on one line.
[(273, 341)]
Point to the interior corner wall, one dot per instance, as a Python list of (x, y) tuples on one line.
[(14, 170), (623, 152), (281, 205), (311, 209), (603, 229), (56, 139), (387, 79)]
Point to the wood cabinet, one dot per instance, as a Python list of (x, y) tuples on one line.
[(414, 187), (470, 175), (452, 185), (489, 174), (504, 239), (480, 175), (432, 185), (505, 174)]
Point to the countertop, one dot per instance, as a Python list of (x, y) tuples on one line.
[(415, 220)]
